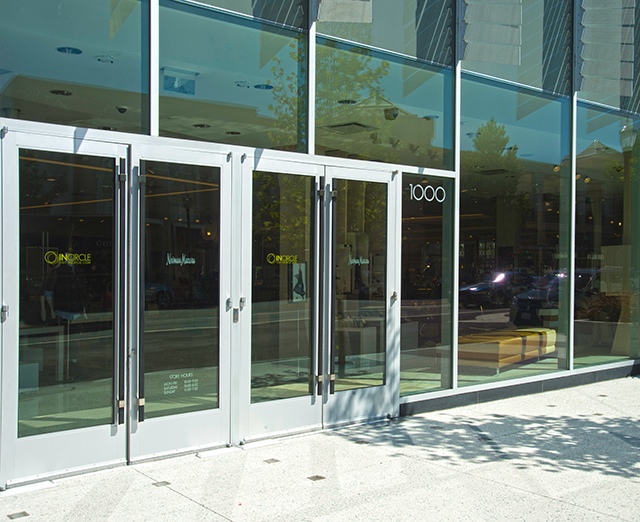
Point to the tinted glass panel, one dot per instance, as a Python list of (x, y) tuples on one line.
[(231, 80), (360, 259), (181, 287), (283, 289), (514, 232), (377, 107), (525, 41), (607, 256), (427, 218), (66, 292), (76, 63), (416, 28)]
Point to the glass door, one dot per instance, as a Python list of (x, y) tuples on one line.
[(180, 373), (361, 304), (278, 386), (63, 329)]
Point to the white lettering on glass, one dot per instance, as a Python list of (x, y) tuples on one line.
[(183, 260), (427, 193)]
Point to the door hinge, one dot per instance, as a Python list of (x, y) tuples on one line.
[(4, 131), (4, 312), (333, 194)]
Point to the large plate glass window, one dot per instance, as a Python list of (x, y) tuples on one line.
[(231, 80), (607, 255), (514, 232)]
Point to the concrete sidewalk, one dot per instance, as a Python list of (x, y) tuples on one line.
[(565, 455)]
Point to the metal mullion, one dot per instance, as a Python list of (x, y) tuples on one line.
[(154, 67), (311, 78), (456, 203)]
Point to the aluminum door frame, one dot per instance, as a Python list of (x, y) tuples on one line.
[(282, 416), (372, 403), (183, 432), (40, 456)]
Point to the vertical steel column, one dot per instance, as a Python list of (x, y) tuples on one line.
[(574, 170), (311, 77), (458, 53), (154, 67)]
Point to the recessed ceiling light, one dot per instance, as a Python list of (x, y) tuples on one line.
[(51, 179), (233, 133), (69, 50), (201, 125), (61, 92), (243, 84), (263, 86), (105, 58), (108, 128), (348, 101)]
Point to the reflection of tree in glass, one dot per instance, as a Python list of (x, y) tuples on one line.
[(343, 76), (492, 169)]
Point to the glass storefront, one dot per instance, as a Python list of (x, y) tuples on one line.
[(256, 256)]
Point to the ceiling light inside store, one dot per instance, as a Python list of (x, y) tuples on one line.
[(69, 50), (263, 87), (347, 101), (233, 133), (201, 125), (105, 58), (242, 84), (61, 92)]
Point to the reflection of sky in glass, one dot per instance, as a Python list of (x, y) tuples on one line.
[(542, 135)]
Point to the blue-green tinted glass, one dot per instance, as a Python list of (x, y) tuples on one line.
[(75, 63), (427, 265), (514, 232), (375, 106), (609, 61), (231, 80), (607, 244), (525, 41), (418, 28), (289, 12)]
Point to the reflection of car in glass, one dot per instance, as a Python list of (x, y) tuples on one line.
[(159, 294), (525, 308), (496, 289)]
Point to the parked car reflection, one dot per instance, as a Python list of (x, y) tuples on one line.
[(496, 290)]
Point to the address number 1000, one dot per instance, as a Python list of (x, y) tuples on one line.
[(427, 193)]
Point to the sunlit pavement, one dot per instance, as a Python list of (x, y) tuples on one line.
[(572, 454)]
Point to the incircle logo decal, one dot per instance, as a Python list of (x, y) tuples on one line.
[(274, 259), (52, 258), (427, 193)]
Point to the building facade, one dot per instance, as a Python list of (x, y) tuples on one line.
[(231, 220)]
